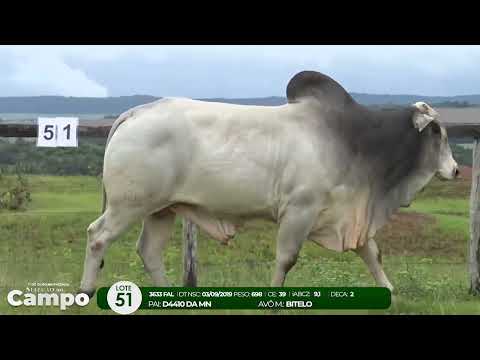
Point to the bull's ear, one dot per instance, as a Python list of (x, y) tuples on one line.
[(420, 121), (423, 115)]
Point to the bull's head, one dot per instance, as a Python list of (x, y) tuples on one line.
[(437, 149)]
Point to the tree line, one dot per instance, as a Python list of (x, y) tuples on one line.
[(24, 156)]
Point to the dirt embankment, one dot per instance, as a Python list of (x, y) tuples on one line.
[(415, 234), (465, 172)]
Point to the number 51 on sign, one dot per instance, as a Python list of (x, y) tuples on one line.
[(57, 132)]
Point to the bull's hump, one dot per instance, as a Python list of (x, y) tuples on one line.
[(321, 87)]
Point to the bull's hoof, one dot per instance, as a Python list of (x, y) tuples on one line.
[(227, 241), (88, 293)]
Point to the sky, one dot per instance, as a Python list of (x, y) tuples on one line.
[(234, 71)]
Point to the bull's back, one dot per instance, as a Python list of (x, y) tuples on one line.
[(227, 158)]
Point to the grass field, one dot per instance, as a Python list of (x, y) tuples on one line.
[(425, 252)]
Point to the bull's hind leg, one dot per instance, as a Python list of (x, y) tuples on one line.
[(101, 233), (157, 229), (370, 254)]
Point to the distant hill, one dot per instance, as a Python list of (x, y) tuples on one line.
[(373, 99), (73, 105), (117, 105)]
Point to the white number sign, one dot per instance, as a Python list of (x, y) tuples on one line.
[(58, 131)]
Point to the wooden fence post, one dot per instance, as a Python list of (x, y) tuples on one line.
[(474, 262), (189, 254)]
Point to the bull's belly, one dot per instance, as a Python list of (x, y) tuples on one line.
[(219, 206), (220, 216), (228, 206)]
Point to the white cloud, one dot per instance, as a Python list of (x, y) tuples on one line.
[(37, 72), (234, 71)]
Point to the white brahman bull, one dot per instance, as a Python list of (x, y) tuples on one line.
[(322, 166)]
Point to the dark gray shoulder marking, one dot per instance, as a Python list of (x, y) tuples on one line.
[(319, 86), (386, 140)]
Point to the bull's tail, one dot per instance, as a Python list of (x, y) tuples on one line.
[(104, 199), (114, 127)]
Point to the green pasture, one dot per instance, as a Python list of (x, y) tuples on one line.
[(426, 262)]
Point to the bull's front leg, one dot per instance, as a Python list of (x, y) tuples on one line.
[(295, 225), (372, 257)]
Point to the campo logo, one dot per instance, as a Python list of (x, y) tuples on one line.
[(63, 300)]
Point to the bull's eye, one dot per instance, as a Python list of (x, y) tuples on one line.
[(436, 128)]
